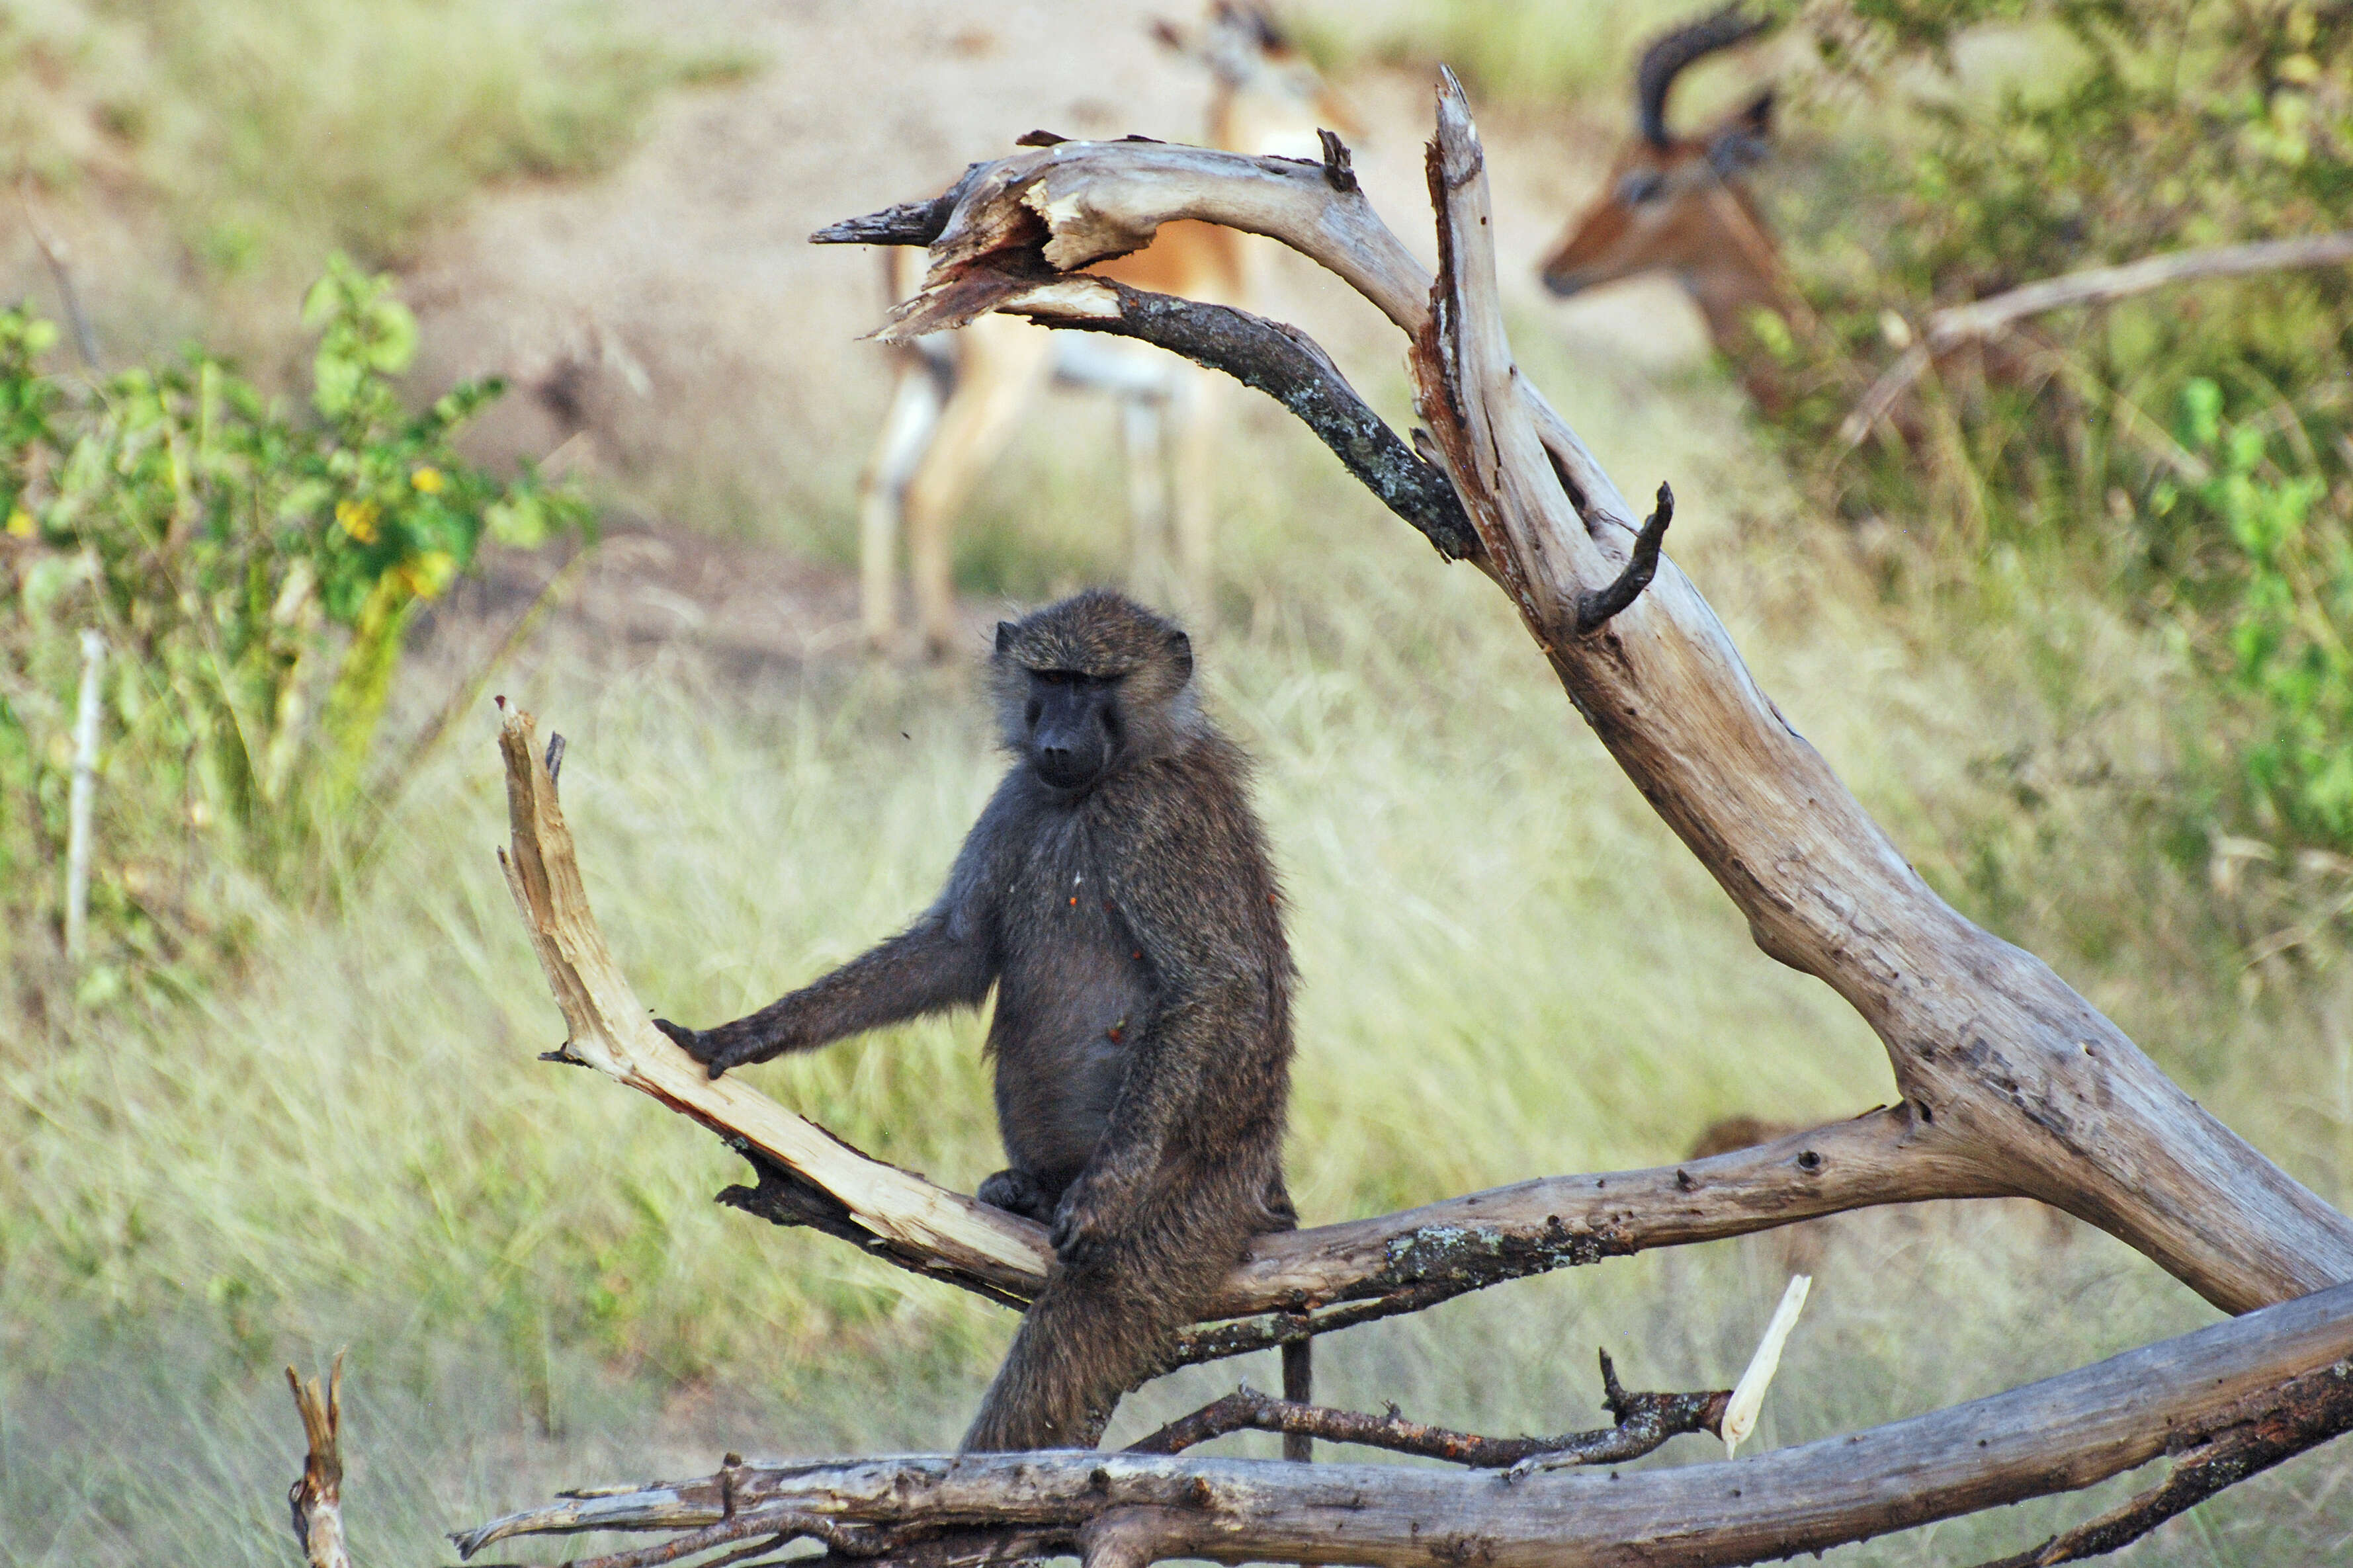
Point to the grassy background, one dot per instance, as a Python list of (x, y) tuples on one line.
[(252, 136), (1510, 968)]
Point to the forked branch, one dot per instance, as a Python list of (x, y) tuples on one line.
[(1293, 1285), (2013, 1083), (2013, 1078)]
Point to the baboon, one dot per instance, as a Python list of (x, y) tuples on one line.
[(1117, 893)]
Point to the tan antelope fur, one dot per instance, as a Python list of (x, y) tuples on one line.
[(960, 395), (1677, 204)]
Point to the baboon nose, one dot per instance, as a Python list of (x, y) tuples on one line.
[(1067, 765)]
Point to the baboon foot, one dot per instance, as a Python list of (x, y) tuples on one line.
[(1017, 1193)]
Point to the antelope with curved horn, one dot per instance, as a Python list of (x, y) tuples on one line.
[(960, 395), (1678, 204)]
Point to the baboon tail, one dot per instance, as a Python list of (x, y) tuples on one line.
[(1083, 1343)]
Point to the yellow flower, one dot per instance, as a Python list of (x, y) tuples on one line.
[(429, 573), (358, 517), (428, 480), (20, 524)]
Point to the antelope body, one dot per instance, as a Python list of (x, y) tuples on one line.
[(959, 396)]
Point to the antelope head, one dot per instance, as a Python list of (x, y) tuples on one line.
[(1677, 204), (1270, 100)]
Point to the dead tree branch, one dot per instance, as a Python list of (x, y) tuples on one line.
[(2257, 1371), (1641, 1423), (2277, 1425), (1294, 1284), (2011, 1076), (2011, 1082), (316, 1497), (1282, 362), (1954, 325)]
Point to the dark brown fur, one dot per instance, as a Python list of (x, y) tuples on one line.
[(1132, 928)]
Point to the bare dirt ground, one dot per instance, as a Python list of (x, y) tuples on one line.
[(669, 327)]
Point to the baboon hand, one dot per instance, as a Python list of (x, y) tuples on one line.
[(728, 1046), (1084, 1222)]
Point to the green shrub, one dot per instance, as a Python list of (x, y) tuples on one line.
[(253, 574), (2137, 127), (2282, 559)]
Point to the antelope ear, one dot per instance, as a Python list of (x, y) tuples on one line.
[(1180, 654), (1745, 139), (1004, 636)]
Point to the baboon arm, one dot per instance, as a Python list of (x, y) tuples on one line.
[(930, 966), (1183, 1076), (946, 959)]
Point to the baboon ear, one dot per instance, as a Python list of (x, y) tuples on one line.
[(1004, 637), (1180, 654)]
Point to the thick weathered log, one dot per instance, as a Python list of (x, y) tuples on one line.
[(2065, 1433), (2275, 1425), (2010, 1071)]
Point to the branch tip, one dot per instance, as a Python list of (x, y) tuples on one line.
[(1595, 608), (1339, 173)]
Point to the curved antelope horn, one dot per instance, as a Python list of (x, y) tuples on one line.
[(1671, 52)]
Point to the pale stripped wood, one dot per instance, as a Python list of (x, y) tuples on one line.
[(611, 1031)]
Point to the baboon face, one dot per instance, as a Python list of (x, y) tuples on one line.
[(1071, 729), (1091, 684)]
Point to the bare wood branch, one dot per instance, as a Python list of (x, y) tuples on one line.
[(2275, 1425), (935, 1230), (1057, 209), (2059, 1435), (316, 1498), (1279, 361), (1596, 605), (2022, 1076), (60, 264), (2007, 1066), (1954, 325), (1293, 1284), (1642, 1423)]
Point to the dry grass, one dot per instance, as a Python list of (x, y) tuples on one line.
[(1510, 968)]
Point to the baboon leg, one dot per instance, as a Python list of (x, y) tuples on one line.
[(1196, 409), (1093, 1333), (1004, 360), (1084, 1342), (1144, 433), (907, 430)]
